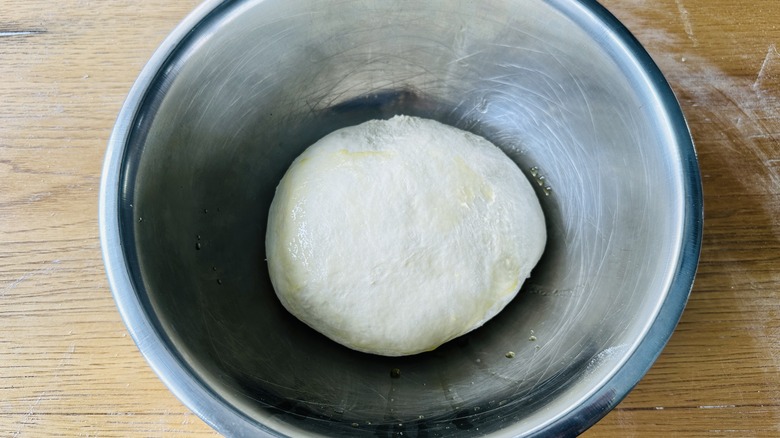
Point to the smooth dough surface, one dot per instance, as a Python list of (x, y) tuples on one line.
[(395, 236)]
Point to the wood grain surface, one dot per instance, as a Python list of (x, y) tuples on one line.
[(67, 366)]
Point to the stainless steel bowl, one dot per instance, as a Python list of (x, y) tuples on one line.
[(242, 87)]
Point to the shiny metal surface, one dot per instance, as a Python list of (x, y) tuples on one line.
[(240, 88)]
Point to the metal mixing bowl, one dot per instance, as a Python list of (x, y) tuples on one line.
[(242, 87)]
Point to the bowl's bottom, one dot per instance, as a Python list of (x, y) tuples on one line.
[(219, 307)]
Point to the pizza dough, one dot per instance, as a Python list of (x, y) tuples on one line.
[(395, 236)]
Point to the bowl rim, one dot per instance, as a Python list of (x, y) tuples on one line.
[(225, 418)]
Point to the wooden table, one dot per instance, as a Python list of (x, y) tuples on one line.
[(68, 367)]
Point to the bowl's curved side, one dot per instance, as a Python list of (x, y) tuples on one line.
[(601, 401), (145, 332)]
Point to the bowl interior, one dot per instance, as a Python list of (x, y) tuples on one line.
[(550, 83)]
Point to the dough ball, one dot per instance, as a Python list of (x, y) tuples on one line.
[(395, 236)]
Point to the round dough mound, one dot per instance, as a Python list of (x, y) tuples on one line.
[(395, 236)]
